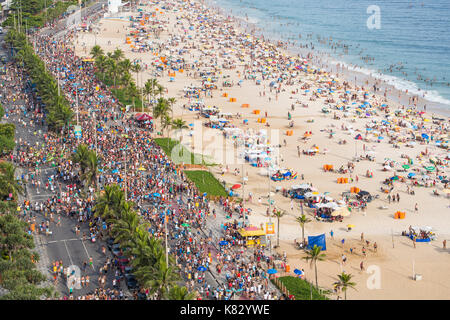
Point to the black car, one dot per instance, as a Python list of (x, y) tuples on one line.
[(131, 281), (110, 243)]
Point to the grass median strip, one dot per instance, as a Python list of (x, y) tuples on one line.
[(206, 182), (301, 289)]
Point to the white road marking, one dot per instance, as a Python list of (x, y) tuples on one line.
[(87, 253), (71, 262)]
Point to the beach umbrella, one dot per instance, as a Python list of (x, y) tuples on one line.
[(156, 194), (358, 137), (411, 174), (298, 272), (406, 166), (444, 181), (185, 224), (425, 136), (350, 226), (236, 186), (201, 268), (223, 243), (272, 271)]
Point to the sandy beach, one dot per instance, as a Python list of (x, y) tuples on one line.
[(203, 39)]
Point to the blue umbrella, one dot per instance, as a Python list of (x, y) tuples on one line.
[(299, 272), (201, 268), (411, 174), (425, 136), (380, 138), (156, 194), (272, 271), (223, 243)]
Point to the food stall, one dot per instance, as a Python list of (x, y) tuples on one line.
[(253, 236)]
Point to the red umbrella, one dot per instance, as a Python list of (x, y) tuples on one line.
[(236, 186)]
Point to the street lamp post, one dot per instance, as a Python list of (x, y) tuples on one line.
[(125, 180)]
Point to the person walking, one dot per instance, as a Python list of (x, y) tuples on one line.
[(444, 244), (416, 208), (332, 234), (361, 265)]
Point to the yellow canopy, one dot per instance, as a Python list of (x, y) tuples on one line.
[(252, 233)]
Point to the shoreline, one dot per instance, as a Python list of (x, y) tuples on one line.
[(351, 71)]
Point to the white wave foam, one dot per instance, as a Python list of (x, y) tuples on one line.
[(399, 83)]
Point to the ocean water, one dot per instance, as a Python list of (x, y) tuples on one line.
[(410, 50)]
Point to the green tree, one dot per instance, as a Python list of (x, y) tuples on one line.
[(81, 156), (181, 293), (97, 51), (345, 282), (313, 255), (109, 202), (91, 169), (8, 181), (302, 220), (278, 214)]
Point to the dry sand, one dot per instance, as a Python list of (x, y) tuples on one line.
[(378, 225)]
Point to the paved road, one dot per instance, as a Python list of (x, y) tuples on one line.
[(63, 244)]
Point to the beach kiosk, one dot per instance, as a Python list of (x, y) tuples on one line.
[(253, 236)]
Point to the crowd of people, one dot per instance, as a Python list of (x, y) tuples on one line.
[(124, 150)]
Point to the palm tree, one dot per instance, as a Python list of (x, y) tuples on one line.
[(171, 102), (118, 55), (125, 227), (149, 87), (101, 62), (8, 181), (113, 69), (302, 220), (181, 293), (161, 109), (179, 124), (109, 202), (148, 90), (278, 214), (160, 279), (159, 90), (136, 68), (81, 157), (90, 175), (315, 255), (126, 65), (166, 121), (96, 51), (345, 282)]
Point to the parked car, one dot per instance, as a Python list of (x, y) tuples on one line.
[(131, 282), (115, 249)]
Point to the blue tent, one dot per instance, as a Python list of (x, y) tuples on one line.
[(272, 271), (319, 240)]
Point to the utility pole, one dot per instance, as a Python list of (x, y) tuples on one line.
[(243, 192), (125, 160), (165, 231), (77, 101)]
